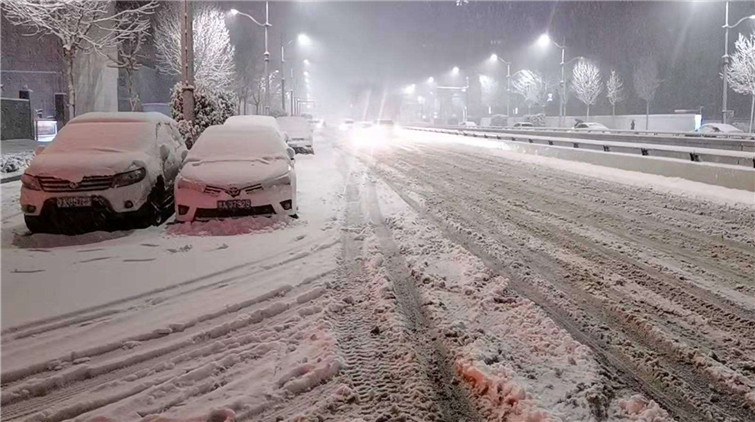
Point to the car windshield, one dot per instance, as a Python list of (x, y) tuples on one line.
[(228, 143), (104, 137)]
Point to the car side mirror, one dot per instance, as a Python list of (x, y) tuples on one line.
[(38, 150), (164, 153), (291, 152)]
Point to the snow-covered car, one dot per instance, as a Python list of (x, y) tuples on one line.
[(590, 126), (468, 123), (523, 124), (716, 128), (253, 120), (299, 133), (235, 172), (104, 167)]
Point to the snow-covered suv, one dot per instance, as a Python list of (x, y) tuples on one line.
[(104, 167)]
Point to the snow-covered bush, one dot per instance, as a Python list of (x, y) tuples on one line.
[(499, 120), (210, 108), (536, 119), (14, 162)]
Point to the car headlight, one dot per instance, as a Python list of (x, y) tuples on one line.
[(182, 183), (281, 180), (30, 182), (129, 177)]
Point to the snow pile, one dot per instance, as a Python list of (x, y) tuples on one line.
[(17, 161), (230, 226)]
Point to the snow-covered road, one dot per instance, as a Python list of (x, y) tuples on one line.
[(429, 277)]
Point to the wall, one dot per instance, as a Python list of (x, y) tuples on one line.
[(15, 119)]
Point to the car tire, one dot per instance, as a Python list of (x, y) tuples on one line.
[(158, 208), (36, 224)]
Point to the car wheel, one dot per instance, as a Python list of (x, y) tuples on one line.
[(36, 224), (158, 207)]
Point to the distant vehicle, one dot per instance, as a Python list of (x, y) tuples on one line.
[(299, 133), (235, 172), (346, 124), (714, 128), (101, 168), (590, 125), (523, 124), (468, 123)]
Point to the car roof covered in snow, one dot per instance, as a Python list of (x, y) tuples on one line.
[(221, 141), (122, 117), (251, 120), (288, 123)]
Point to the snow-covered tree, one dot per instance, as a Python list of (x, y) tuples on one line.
[(614, 90), (213, 51), (586, 83), (211, 107), (532, 86), (258, 91), (741, 75), (81, 26), (128, 55), (646, 83)]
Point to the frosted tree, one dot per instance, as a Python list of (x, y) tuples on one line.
[(614, 91), (586, 83), (258, 90), (741, 75), (128, 54), (81, 26), (213, 51), (532, 86), (646, 83)]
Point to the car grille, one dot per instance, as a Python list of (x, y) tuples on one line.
[(89, 183), (239, 212), (214, 190)]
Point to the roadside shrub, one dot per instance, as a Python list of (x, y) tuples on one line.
[(499, 120), (210, 108)]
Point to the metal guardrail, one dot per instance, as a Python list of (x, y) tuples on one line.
[(680, 152)]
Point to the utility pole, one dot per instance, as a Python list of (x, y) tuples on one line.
[(187, 61), (725, 64), (267, 61), (283, 73)]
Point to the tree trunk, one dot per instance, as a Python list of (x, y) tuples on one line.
[(69, 58), (133, 96), (613, 114), (587, 117), (647, 114), (752, 110)]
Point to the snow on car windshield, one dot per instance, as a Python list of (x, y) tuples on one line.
[(236, 143), (104, 137)]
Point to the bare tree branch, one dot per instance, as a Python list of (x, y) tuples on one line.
[(586, 83), (741, 74)]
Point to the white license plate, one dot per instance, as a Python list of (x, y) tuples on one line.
[(74, 202), (235, 204)]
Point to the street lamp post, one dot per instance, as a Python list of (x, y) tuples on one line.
[(265, 25), (187, 61), (543, 41), (301, 38), (508, 82), (725, 61)]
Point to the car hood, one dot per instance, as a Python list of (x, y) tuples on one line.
[(239, 173), (75, 166)]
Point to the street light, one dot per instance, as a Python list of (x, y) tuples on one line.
[(494, 57), (725, 60), (430, 80), (302, 39), (455, 70), (265, 25), (543, 42)]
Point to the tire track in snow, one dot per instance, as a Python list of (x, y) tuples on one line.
[(655, 389)]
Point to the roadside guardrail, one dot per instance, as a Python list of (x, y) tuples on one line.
[(732, 142), (743, 158)]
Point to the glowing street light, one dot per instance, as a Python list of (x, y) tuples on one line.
[(410, 89), (306, 62), (455, 70), (304, 39), (430, 80), (494, 57), (544, 40)]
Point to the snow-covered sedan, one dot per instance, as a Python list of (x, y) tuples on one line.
[(101, 168), (718, 128), (590, 126), (299, 132), (237, 171)]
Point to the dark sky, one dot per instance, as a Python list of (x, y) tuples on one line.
[(393, 44)]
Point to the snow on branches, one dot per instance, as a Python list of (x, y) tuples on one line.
[(614, 90), (532, 86), (586, 83), (741, 74), (213, 51), (80, 25)]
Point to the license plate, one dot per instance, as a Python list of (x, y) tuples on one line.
[(235, 204), (74, 202)]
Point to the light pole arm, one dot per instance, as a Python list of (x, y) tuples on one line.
[(253, 20), (751, 17)]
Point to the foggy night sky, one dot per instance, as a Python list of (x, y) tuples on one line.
[(393, 44)]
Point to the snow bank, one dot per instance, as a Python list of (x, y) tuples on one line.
[(15, 162), (230, 226)]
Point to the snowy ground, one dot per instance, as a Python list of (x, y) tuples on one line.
[(428, 278)]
